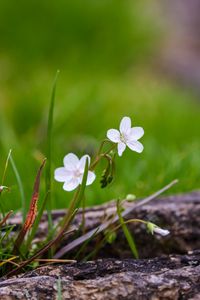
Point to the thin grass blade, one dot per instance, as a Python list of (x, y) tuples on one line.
[(8, 260), (49, 152), (3, 179), (20, 185), (6, 166), (6, 218), (127, 233)]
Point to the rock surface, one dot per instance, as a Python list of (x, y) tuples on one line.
[(166, 269), (169, 277)]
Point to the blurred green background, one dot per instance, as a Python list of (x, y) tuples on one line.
[(106, 51)]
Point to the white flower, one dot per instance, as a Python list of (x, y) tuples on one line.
[(161, 231), (126, 136), (72, 172), (153, 228)]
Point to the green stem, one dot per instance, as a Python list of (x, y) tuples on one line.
[(71, 208), (100, 156), (83, 215), (102, 144), (127, 234), (103, 241)]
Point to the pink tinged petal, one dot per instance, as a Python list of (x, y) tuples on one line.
[(121, 147), (135, 146), (82, 162), (125, 125), (62, 175), (113, 135), (136, 133), (91, 177), (71, 162), (71, 185)]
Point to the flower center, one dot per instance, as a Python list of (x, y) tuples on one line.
[(123, 138), (77, 173)]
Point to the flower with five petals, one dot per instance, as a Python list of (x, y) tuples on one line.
[(72, 172), (126, 136)]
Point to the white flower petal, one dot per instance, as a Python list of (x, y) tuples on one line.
[(91, 177), (62, 175), (125, 125), (135, 146), (82, 162), (121, 147), (71, 185), (136, 133), (71, 162), (161, 231), (113, 135)]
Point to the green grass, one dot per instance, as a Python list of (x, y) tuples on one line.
[(105, 75), (85, 110)]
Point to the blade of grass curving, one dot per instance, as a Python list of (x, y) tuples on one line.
[(31, 215), (76, 201), (6, 218), (48, 152), (105, 225), (20, 185), (8, 230), (3, 179), (127, 233), (6, 166)]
